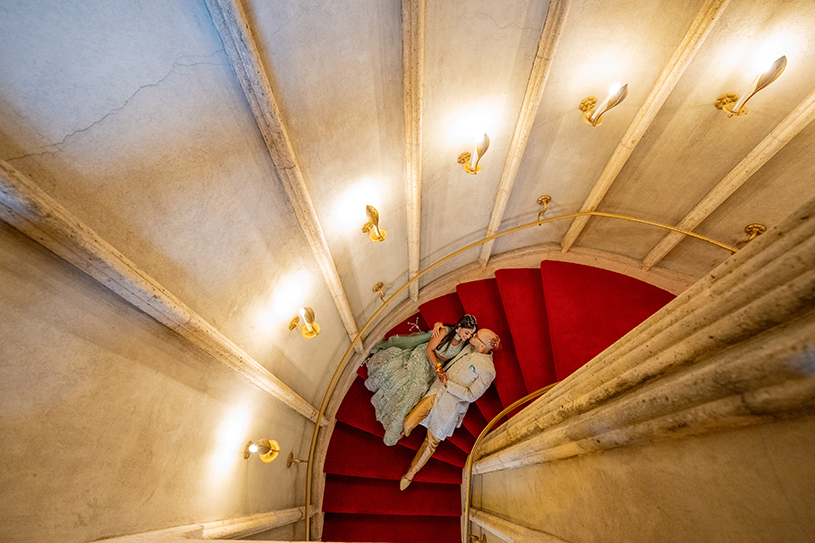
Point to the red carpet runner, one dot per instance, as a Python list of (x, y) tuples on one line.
[(551, 321)]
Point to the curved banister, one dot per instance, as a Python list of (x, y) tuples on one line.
[(341, 366)]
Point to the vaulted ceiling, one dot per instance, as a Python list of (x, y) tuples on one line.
[(229, 149)]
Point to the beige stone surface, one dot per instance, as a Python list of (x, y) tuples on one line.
[(754, 484), (113, 424)]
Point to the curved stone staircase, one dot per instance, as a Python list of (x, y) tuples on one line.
[(551, 321)]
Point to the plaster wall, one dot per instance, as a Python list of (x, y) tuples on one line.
[(749, 485), (131, 117), (336, 68), (602, 43), (112, 424)]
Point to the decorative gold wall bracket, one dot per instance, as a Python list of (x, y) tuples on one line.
[(378, 288), (753, 230), (587, 107), (372, 226), (726, 102), (543, 201), (292, 460)]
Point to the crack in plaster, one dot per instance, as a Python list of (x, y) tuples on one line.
[(58, 145), (295, 14), (516, 25)]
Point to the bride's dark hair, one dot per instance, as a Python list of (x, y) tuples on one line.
[(467, 321)]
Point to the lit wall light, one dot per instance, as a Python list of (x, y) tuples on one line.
[(372, 226), (733, 105), (309, 329), (267, 449), (594, 116), (466, 159)]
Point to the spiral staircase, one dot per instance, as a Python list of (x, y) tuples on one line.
[(551, 321)]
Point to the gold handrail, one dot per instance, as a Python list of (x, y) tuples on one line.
[(468, 490), (330, 390)]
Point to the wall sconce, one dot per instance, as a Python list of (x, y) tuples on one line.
[(309, 329), (372, 226), (594, 117), (466, 159), (733, 105), (378, 288), (267, 449)]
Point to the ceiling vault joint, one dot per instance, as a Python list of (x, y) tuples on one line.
[(547, 47), (232, 24), (706, 18)]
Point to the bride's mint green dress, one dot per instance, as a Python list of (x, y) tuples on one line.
[(399, 374)]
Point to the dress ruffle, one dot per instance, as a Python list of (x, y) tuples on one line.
[(399, 378)]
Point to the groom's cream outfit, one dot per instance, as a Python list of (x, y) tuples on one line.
[(443, 408)]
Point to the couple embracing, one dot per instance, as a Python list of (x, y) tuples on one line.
[(430, 379)]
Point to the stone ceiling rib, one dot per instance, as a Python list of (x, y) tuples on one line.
[(760, 155), (413, 41), (705, 20), (40, 217), (547, 47), (230, 20)]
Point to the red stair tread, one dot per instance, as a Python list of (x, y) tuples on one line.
[(482, 299), (399, 529), (383, 497), (525, 309), (588, 309), (356, 453), (446, 309), (462, 439), (356, 410), (473, 422)]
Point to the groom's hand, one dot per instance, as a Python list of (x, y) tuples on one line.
[(442, 377)]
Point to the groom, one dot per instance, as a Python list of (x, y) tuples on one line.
[(443, 408)]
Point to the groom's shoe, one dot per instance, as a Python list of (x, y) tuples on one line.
[(404, 483)]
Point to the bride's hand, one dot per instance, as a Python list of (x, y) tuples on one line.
[(439, 330)]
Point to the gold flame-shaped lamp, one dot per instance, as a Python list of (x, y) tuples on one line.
[(309, 329), (372, 226), (267, 450), (594, 116), (466, 158), (734, 106)]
